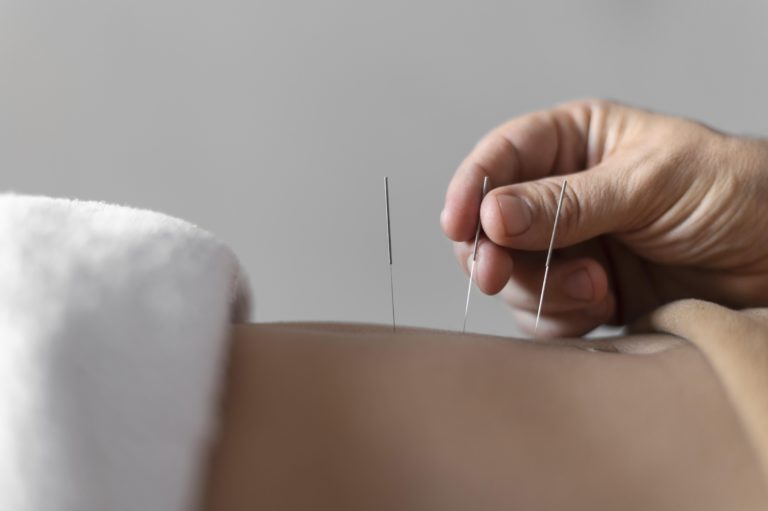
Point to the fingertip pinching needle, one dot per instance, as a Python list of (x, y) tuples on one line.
[(474, 258), (549, 254)]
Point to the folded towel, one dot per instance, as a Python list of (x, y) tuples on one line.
[(113, 328)]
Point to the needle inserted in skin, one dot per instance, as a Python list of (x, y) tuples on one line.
[(389, 250), (549, 255), (474, 258)]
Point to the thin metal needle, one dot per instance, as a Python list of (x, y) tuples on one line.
[(549, 254), (389, 250), (474, 258)]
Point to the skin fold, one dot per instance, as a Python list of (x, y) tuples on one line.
[(736, 345), (329, 416)]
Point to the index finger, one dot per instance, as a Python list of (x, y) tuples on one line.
[(526, 148)]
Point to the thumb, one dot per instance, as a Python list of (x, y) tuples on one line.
[(522, 215)]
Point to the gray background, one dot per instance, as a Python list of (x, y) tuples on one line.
[(272, 123)]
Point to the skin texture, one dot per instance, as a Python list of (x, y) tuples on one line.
[(336, 417), (658, 208), (736, 345)]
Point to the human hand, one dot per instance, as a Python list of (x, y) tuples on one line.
[(657, 208)]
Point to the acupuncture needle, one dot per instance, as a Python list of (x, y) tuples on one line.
[(389, 250), (474, 258), (549, 255)]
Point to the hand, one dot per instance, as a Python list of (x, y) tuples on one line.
[(657, 208)]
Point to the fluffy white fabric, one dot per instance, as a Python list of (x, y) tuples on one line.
[(113, 327)]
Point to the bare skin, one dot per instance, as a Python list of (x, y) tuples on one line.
[(658, 209), (736, 345), (327, 416)]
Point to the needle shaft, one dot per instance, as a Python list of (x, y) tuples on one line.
[(549, 254), (474, 259), (389, 250)]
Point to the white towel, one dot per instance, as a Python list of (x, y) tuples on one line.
[(113, 328)]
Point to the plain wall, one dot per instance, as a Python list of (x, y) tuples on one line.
[(272, 123)]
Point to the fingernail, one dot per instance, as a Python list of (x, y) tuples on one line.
[(578, 285), (515, 214)]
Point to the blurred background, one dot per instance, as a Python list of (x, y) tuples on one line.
[(272, 123)]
